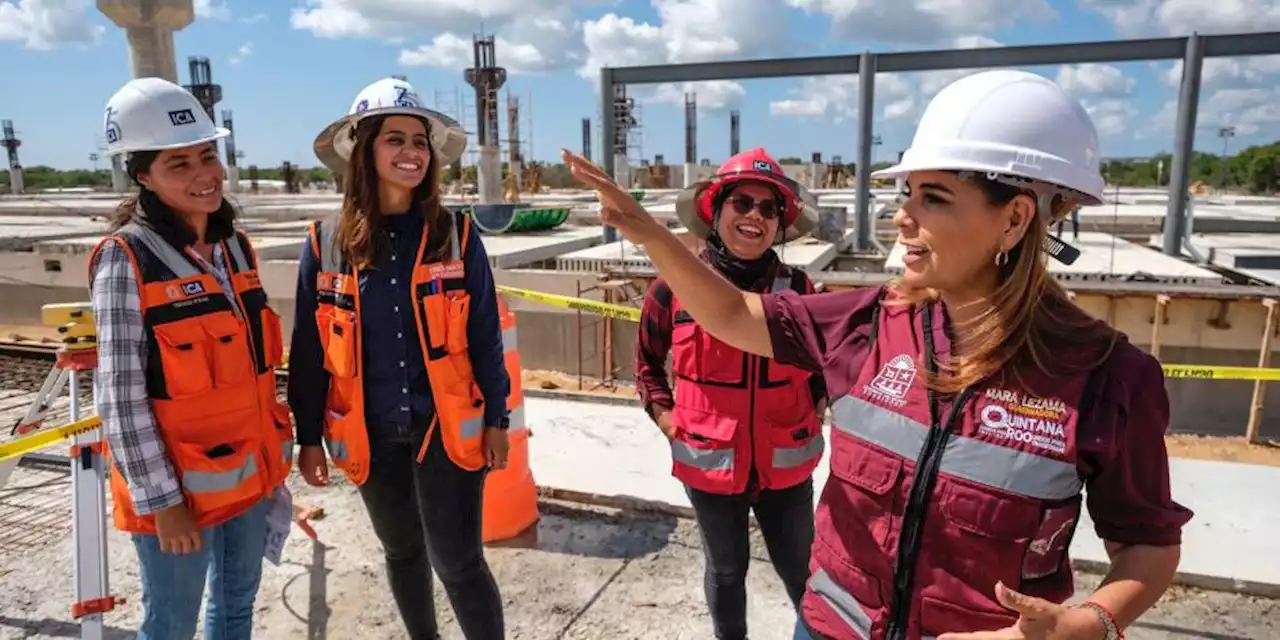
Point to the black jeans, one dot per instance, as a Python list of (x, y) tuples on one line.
[(785, 517), (427, 516)]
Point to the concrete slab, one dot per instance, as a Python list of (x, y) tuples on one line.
[(1105, 257), (615, 450), (509, 251), (267, 247), (807, 253), (1240, 251), (22, 233)]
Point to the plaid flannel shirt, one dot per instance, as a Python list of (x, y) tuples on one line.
[(120, 382)]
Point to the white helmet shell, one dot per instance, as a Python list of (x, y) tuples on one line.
[(1011, 123), (153, 114), (388, 96)]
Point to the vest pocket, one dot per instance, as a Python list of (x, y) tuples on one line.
[(338, 339), (457, 313), (232, 364), (219, 476), (868, 479), (939, 616), (980, 535), (184, 357)]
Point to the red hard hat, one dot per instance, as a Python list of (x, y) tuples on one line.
[(799, 214)]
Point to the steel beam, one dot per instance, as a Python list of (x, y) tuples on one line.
[(865, 231), (607, 123), (1175, 219)]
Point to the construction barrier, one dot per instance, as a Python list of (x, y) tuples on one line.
[(632, 314), (510, 494)]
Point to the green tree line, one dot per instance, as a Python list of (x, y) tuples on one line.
[(1254, 169)]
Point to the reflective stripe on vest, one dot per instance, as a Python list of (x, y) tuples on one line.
[(215, 482), (511, 345), (1000, 468)]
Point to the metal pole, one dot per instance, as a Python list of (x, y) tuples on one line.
[(1185, 135), (866, 115), (607, 123)]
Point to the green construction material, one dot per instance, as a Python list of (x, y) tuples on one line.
[(537, 220), (638, 195)]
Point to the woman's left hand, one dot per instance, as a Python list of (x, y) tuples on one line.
[(496, 444), (1038, 619)]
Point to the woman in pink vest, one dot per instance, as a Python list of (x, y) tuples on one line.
[(972, 401), (744, 430)]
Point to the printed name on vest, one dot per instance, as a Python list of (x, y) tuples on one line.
[(1014, 416), (446, 270)]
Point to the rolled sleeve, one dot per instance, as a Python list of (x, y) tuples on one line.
[(653, 345), (1129, 496), (806, 329), (120, 384), (484, 334), (308, 379)]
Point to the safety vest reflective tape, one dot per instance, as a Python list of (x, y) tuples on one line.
[(211, 380), (731, 407), (1002, 468)]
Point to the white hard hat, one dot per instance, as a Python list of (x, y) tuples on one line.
[(153, 114), (389, 96), (1009, 123)]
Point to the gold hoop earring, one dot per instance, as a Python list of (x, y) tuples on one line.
[(1002, 258)]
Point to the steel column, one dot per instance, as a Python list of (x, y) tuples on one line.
[(607, 123), (866, 118), (1175, 219)]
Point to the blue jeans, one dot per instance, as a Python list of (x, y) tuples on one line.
[(230, 560), (801, 633)]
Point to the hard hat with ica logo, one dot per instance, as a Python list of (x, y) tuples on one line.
[(1010, 126), (153, 114), (386, 97), (696, 204)]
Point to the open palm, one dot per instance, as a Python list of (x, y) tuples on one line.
[(617, 208)]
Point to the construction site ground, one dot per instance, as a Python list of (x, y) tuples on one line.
[(585, 573)]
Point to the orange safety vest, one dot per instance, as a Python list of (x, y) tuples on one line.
[(442, 307), (210, 377)]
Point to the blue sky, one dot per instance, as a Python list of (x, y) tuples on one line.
[(287, 67)]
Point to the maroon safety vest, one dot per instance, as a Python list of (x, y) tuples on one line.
[(732, 408), (917, 524)]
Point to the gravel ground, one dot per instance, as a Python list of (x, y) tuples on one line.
[(590, 574)]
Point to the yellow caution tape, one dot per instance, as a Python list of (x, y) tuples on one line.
[(615, 311), (41, 439), (620, 312)]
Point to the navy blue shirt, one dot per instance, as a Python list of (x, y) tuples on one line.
[(395, 375)]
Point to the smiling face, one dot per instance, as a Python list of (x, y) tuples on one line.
[(189, 179), (749, 220), (953, 232), (401, 152)]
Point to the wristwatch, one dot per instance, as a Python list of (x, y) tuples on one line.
[(1108, 621)]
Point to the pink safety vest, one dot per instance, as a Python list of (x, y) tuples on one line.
[(917, 524), (733, 408)]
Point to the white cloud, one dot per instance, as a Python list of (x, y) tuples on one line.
[(1251, 111), (1095, 78), (836, 97), (450, 51), (923, 21), (687, 31), (1228, 72), (48, 24), (1110, 116), (242, 53), (1181, 17), (212, 9), (255, 18)]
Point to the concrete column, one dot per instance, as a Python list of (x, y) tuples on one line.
[(690, 174), (622, 171), (233, 179), (517, 169), (816, 171), (151, 53), (119, 179), (149, 26), (489, 176), (866, 113), (606, 137), (16, 185)]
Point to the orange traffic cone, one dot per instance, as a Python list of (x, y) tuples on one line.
[(510, 494)]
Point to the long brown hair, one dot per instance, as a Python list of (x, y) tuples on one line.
[(1030, 322), (145, 207), (360, 234)]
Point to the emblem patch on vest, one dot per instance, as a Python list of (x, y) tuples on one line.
[(1035, 421), (890, 386)]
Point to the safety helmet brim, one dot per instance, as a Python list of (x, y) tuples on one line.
[(693, 204), (335, 143), (913, 161), (217, 134)]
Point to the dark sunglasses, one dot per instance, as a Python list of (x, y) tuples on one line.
[(743, 204)]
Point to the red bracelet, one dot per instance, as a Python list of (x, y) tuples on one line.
[(1114, 632)]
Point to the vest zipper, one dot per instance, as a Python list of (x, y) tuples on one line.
[(922, 487), (753, 468)]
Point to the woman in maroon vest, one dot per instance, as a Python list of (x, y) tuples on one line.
[(744, 430), (972, 401)]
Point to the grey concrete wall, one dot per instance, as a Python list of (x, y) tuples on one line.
[(1218, 407)]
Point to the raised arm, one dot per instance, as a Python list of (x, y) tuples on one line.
[(733, 316)]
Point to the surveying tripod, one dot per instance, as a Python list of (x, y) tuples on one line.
[(77, 355)]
